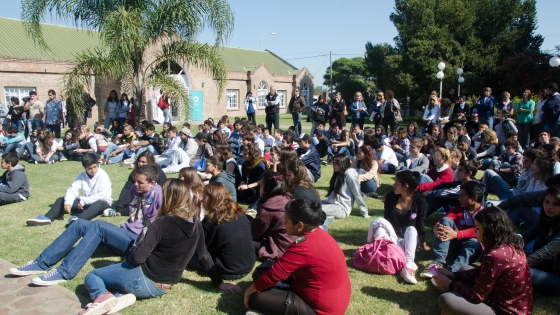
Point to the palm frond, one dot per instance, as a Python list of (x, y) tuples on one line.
[(179, 95)]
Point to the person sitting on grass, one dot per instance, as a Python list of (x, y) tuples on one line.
[(251, 173), (121, 151), (309, 156), (486, 149), (120, 207), (344, 189), (367, 167), (501, 285), (319, 282), (510, 164), (463, 146), (145, 200), (204, 148), (69, 143), (156, 262), (550, 151), (267, 228), (150, 141), (297, 178), (46, 149), (386, 157), (14, 186), (440, 173), (450, 142), (456, 157), (15, 141), (455, 233), (543, 259), (227, 232), (403, 220), (445, 196), (88, 196), (86, 144), (416, 161), (402, 145), (214, 168)]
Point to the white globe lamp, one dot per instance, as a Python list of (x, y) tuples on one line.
[(554, 62), (459, 71), (441, 66), (439, 75), (461, 79)]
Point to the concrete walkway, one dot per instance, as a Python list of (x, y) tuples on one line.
[(18, 296)]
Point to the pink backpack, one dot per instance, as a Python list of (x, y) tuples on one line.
[(381, 257)]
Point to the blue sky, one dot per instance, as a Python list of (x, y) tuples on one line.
[(306, 30)]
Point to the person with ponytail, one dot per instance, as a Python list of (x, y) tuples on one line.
[(502, 282), (269, 232)]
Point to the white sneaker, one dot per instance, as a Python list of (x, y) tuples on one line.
[(408, 275), (429, 271), (63, 158), (123, 301)]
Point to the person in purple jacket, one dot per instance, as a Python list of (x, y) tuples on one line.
[(145, 200)]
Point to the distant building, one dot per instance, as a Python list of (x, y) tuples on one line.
[(25, 66)]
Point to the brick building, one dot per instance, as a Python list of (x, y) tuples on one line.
[(25, 66)]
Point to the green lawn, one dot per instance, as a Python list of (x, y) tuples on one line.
[(371, 294)]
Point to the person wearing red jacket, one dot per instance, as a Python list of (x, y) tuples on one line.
[(440, 173), (502, 283), (314, 266), (163, 104), (456, 231)]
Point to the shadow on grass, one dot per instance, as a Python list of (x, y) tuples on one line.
[(353, 237), (409, 303)]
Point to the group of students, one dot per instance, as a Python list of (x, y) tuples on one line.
[(275, 173)]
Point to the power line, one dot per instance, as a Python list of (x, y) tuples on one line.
[(321, 66), (309, 57)]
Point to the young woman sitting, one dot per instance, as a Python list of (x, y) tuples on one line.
[(542, 170), (403, 220), (544, 259), (269, 232), (190, 176), (156, 262), (69, 143), (251, 173), (485, 151), (46, 148), (402, 145), (297, 179), (227, 232), (319, 282), (367, 167), (501, 285), (440, 173), (344, 189), (428, 147), (344, 145)]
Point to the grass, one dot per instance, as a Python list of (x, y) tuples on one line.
[(371, 294)]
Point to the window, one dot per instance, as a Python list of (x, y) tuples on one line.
[(19, 92), (262, 92), (282, 95), (232, 99), (304, 91)]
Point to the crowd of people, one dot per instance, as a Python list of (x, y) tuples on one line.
[(196, 220)]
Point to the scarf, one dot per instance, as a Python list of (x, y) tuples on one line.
[(252, 166)]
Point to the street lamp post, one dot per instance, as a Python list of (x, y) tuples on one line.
[(461, 80), (440, 76), (273, 33)]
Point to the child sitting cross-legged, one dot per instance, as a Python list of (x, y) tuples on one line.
[(14, 186), (456, 232)]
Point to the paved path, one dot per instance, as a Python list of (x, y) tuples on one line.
[(17, 296)]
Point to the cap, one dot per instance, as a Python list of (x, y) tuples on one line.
[(186, 131), (202, 136), (305, 137)]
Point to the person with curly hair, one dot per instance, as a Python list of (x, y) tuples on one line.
[(501, 284), (367, 167), (251, 173)]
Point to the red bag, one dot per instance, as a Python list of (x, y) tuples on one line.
[(381, 257)]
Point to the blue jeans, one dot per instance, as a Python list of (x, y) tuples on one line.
[(524, 134), (109, 149), (400, 157), (121, 156), (18, 124), (545, 282), (92, 234), (121, 278), (166, 116), (145, 148), (489, 120), (469, 249), (486, 162), (369, 186), (296, 119), (341, 150), (424, 179), (15, 146), (272, 118), (499, 186), (528, 215)]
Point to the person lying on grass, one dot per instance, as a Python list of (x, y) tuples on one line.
[(145, 200), (88, 197), (156, 261)]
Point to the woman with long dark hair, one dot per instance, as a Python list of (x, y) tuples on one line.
[(390, 106), (227, 232), (501, 285), (367, 167), (344, 189), (338, 109), (110, 108), (123, 108), (319, 113), (297, 179), (314, 265), (251, 173), (413, 131), (45, 149)]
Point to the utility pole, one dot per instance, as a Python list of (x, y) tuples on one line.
[(330, 60)]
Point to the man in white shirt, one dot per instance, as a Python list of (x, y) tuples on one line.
[(88, 196), (386, 157), (173, 143)]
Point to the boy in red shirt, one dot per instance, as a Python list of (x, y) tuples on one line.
[(455, 232)]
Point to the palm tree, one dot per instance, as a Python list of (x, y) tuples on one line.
[(137, 37)]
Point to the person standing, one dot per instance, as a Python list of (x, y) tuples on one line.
[(251, 107), (296, 106), (53, 114), (525, 109), (110, 108), (376, 108), (358, 110), (551, 109), (15, 112), (163, 104), (485, 108), (338, 110), (272, 109), (36, 110), (390, 106), (123, 108)]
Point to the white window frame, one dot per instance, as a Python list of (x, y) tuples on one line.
[(19, 92), (304, 91), (232, 99), (282, 95), (261, 93)]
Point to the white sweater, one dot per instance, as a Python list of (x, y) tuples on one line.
[(92, 189)]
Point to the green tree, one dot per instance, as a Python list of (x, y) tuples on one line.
[(137, 37), (349, 76)]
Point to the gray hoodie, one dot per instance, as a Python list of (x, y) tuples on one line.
[(349, 192), (15, 182), (228, 179)]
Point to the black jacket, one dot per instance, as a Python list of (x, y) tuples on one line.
[(154, 141), (415, 216)]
